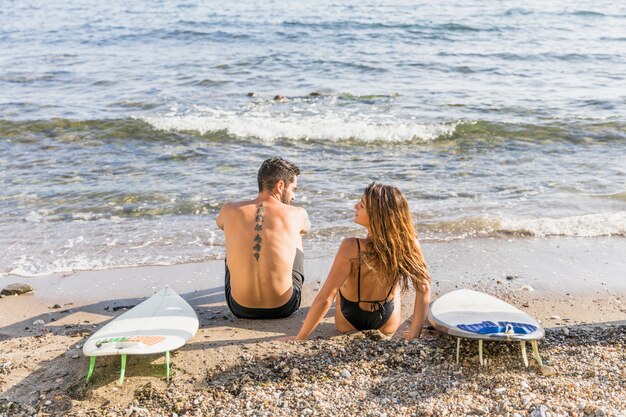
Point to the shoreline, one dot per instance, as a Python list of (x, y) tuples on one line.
[(578, 297), (578, 265)]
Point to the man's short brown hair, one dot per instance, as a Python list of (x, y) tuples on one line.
[(275, 169)]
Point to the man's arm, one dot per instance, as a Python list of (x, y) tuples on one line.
[(306, 224), (220, 217)]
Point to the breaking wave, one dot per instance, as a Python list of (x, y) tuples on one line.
[(589, 225)]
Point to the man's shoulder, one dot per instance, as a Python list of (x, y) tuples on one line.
[(299, 212), (296, 209), (234, 205)]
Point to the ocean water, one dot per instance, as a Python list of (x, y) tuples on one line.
[(124, 127)]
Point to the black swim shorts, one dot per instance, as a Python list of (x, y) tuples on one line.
[(286, 310)]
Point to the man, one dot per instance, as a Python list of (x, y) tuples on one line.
[(264, 258)]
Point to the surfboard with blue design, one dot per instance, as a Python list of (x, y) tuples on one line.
[(476, 315)]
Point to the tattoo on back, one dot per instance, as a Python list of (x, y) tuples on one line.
[(260, 212)]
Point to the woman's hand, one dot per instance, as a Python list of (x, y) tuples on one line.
[(408, 335)]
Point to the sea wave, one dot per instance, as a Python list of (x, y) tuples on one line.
[(362, 25), (330, 127), (308, 124), (615, 196), (579, 131), (589, 225), (80, 131), (30, 268), (104, 244), (360, 128)]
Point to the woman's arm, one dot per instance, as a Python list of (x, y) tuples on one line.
[(336, 277), (422, 299)]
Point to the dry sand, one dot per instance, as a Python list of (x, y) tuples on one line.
[(235, 367)]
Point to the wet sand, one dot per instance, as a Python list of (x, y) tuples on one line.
[(568, 284)]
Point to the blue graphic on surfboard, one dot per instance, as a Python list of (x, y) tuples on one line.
[(160, 324), (471, 314)]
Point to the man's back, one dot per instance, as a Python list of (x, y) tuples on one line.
[(264, 260), (262, 238)]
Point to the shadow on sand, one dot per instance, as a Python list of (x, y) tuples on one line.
[(227, 353), (61, 377)]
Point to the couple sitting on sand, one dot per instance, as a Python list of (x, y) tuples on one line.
[(264, 258)]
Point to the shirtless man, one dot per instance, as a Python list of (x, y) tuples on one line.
[(264, 258)]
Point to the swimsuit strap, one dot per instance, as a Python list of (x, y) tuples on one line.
[(358, 245), (391, 289)]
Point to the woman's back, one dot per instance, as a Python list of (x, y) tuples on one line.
[(366, 298), (367, 275)]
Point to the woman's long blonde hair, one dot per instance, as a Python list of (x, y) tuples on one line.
[(393, 250)]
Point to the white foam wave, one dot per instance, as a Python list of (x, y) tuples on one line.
[(589, 225), (329, 126), (30, 267)]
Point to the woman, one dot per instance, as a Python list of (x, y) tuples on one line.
[(368, 274)]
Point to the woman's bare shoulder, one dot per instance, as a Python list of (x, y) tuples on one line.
[(348, 247)]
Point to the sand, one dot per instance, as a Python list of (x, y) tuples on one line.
[(568, 284)]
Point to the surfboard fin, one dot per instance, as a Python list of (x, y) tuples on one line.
[(167, 365), (533, 343), (122, 369), (92, 365), (535, 347), (524, 356)]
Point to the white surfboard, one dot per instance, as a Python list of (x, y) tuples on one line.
[(466, 307), (475, 315), (162, 323)]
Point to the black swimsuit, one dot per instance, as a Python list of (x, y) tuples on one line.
[(366, 320)]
